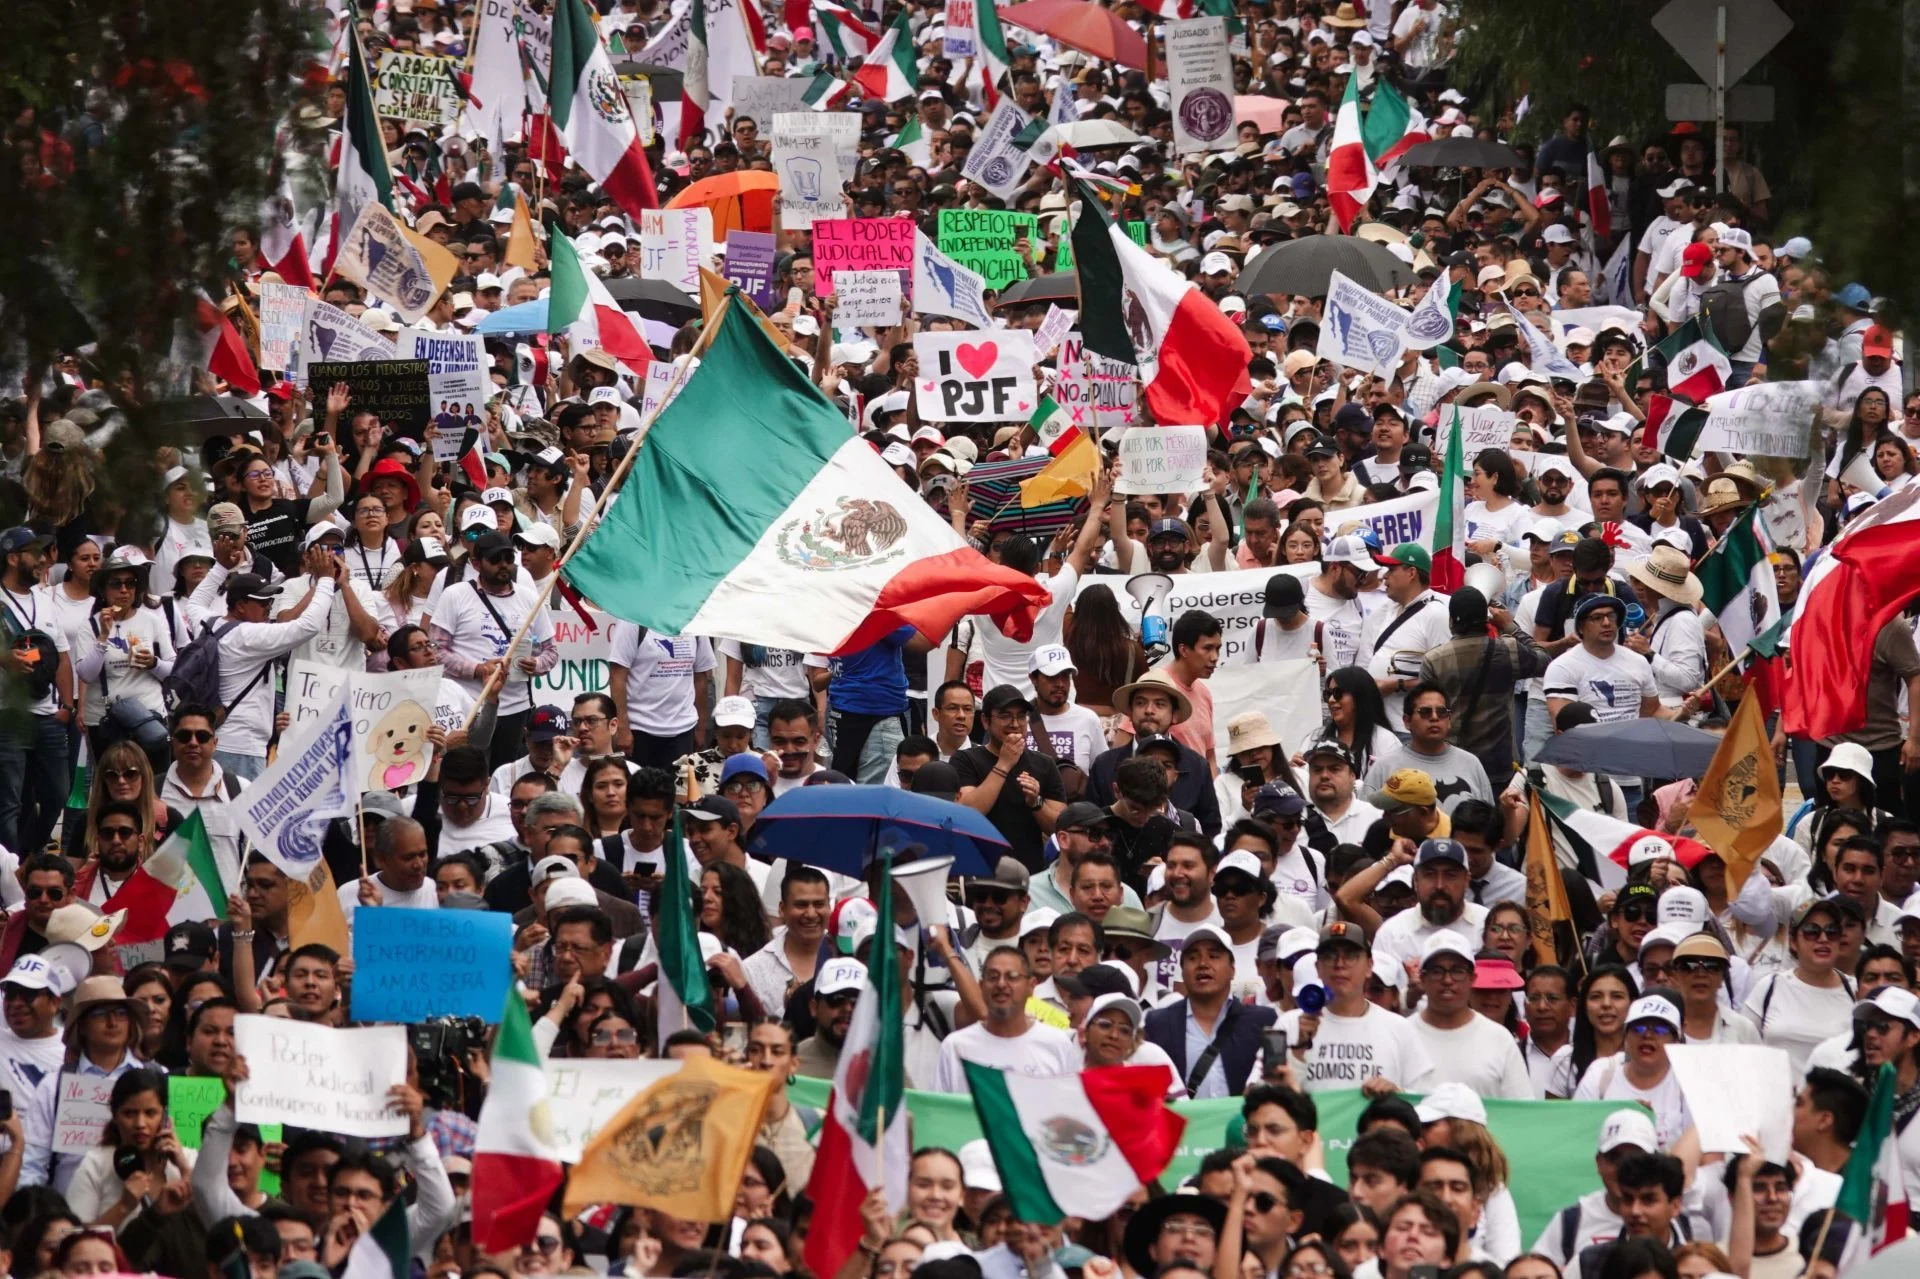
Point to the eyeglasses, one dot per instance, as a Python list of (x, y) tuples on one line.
[(1699, 964), (1813, 932), (547, 1243), (1191, 1229), (120, 774), (1308, 1270), (1508, 930), (1653, 1030), (192, 736), (615, 1035), (498, 557), (117, 833), (1545, 997), (258, 474), (122, 584), (1447, 973), (1111, 1025), (1433, 712), (52, 893), (462, 801)]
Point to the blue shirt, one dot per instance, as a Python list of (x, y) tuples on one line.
[(872, 681)]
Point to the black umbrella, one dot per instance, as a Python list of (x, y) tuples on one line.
[(1461, 153), (212, 413), (1633, 748), (1058, 287), (655, 299), (665, 81), (1304, 266)]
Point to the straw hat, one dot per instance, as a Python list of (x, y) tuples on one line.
[(1485, 392), (1666, 572), (1344, 16), (1722, 494), (1250, 731), (1159, 681)]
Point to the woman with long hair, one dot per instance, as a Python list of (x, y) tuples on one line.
[(765, 1240), (73, 597), (1872, 412), (137, 1110), (409, 588), (1798, 1007), (935, 1184), (122, 774), (730, 908), (60, 478), (1106, 652), (1508, 929), (763, 1190), (603, 797), (425, 522), (1356, 717), (371, 556), (563, 1025), (1599, 1025), (126, 647), (150, 987)]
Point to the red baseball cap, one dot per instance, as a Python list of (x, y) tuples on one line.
[(1877, 341), (1694, 259)]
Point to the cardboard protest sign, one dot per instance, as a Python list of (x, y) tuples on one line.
[(959, 41), (1287, 691), (314, 1076), (584, 1093), (1734, 1091), (1200, 71), (982, 241), (749, 264), (1361, 329), (398, 390), (328, 333), (1484, 426), (760, 97), (814, 155), (80, 1112), (1766, 419), (416, 87), (1063, 251), (409, 965), (1097, 392), (458, 383), (861, 244), (1162, 459), (379, 255), (283, 312), (675, 244), (996, 161), (1054, 327), (942, 286), (866, 297), (391, 712), (975, 377), (584, 655)]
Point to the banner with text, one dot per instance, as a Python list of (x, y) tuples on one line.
[(974, 377), (1162, 459), (982, 241), (1361, 329), (315, 1076), (391, 712), (1200, 71), (861, 244)]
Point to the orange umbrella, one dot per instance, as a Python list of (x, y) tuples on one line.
[(1082, 25), (740, 201)]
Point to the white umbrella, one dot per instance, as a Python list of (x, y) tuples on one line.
[(1091, 133)]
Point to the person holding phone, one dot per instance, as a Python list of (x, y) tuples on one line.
[(139, 1159)]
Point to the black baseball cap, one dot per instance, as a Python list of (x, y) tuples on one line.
[(1001, 696), (1322, 445), (1351, 417), (250, 586), (189, 945), (490, 543), (1286, 598), (1080, 815), (713, 808), (1416, 457)]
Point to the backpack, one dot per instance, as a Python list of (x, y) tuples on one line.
[(1725, 307), (196, 671)]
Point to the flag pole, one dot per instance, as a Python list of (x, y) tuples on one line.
[(612, 486)]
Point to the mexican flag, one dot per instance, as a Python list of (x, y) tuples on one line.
[(891, 71), (863, 1135), (361, 176), (1449, 549), (1391, 128), (683, 997), (1672, 427), (1075, 1145), (590, 111), (515, 1167), (226, 355), (788, 529), (1739, 587), (579, 305), (1053, 426), (991, 64), (473, 459), (1599, 843), (1599, 215), (722, 40), (1696, 366), (912, 140), (1192, 359), (826, 91), (385, 1251), (1873, 1191), (1859, 584), (283, 246), (1075, 459), (839, 33), (179, 883), (1351, 176)]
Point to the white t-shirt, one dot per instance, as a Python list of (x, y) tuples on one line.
[(476, 635), (1503, 525), (114, 643), (425, 897), (1340, 622), (1348, 1051), (1006, 659), (1076, 734), (1480, 1054), (335, 645), (1613, 685), (1173, 932), (31, 1060), (782, 674), (1301, 873), (35, 611), (1401, 937), (1041, 1051), (491, 827), (1606, 1080), (660, 671), (1796, 1016), (1401, 651), (175, 543)]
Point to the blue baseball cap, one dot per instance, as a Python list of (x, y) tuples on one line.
[(1277, 799), (1441, 850), (748, 763), (1855, 297), (20, 538), (1273, 322)]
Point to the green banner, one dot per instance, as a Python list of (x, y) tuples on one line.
[(982, 241), (1063, 257), (1549, 1144)]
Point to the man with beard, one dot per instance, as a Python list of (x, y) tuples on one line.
[(1330, 781), (1010, 1038), (836, 989), (1075, 733), (1554, 479), (1190, 905), (473, 626), (998, 904), (1155, 703), (1440, 881), (118, 849), (47, 881), (1465, 1047), (793, 731), (1333, 600)]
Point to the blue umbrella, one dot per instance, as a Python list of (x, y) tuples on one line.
[(842, 828), (525, 317)]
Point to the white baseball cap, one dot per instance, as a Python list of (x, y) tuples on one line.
[(977, 1171), (571, 892), (554, 867), (1666, 935), (1628, 1128), (1683, 905), (1557, 234), (1216, 263), (491, 496), (1451, 1101), (604, 395), (840, 974), (1446, 942), (1209, 932), (734, 712), (1050, 659), (478, 516), (33, 972), (538, 535), (1648, 848), (1654, 1008), (1243, 861), (1896, 1002), (1040, 917)]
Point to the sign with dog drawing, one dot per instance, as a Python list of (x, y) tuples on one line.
[(391, 710)]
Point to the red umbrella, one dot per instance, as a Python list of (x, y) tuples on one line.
[(741, 201), (1082, 25)]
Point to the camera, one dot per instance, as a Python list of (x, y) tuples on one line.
[(440, 1050)]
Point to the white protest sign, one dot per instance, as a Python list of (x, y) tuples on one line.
[(1736, 1090), (1237, 597), (1769, 419), (1286, 692), (975, 377), (1396, 520), (81, 1112), (534, 28), (959, 41), (1162, 459), (286, 809), (675, 244), (1361, 329), (1097, 392), (1053, 329), (814, 155), (995, 162), (391, 712), (639, 91), (417, 87), (314, 1076), (760, 97), (941, 286), (1484, 426), (659, 391), (1200, 71), (584, 1094), (458, 378), (866, 297), (328, 333), (585, 653), (283, 309)]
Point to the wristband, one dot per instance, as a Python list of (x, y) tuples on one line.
[(240, 936)]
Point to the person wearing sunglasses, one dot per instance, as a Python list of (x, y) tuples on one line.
[(478, 621), (1261, 1214), (836, 988), (1797, 1008), (1641, 1072), (31, 1045)]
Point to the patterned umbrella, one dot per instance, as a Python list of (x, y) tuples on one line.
[(994, 489)]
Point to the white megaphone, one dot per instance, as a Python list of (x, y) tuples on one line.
[(1486, 579), (925, 884), (1150, 592)]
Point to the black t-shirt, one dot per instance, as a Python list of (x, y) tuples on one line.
[(1557, 604), (276, 530), (1010, 814)]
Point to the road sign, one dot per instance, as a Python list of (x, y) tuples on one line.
[(1746, 103), (1753, 28)]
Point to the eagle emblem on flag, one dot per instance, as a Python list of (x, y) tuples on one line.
[(854, 533)]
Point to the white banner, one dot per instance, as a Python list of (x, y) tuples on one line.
[(1735, 1091), (391, 711), (1768, 419), (583, 1094), (378, 256), (761, 97), (675, 244), (328, 333), (1396, 520), (958, 41), (1361, 329), (942, 286), (286, 809), (459, 377), (1286, 692), (1162, 459), (995, 162), (314, 1076), (1484, 426), (1200, 72), (1238, 597), (975, 377)]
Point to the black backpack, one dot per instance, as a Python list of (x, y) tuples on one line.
[(1724, 305), (196, 671)]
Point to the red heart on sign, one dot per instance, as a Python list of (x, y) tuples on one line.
[(928, 387), (977, 360)]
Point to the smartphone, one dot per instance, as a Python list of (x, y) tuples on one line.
[(1274, 1047), (1250, 774), (6, 1103), (321, 439), (1423, 1272)]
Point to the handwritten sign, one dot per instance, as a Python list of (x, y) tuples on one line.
[(749, 264), (866, 297), (584, 655), (81, 1112), (1046, 338), (417, 86), (391, 713), (982, 241), (1484, 426), (1063, 251), (1200, 73), (283, 309), (674, 244), (1097, 392), (1769, 419), (1162, 459), (975, 377), (861, 244), (583, 1094), (458, 381), (398, 390), (761, 97), (314, 1076), (190, 1100), (815, 154), (409, 965), (639, 92), (1237, 597)]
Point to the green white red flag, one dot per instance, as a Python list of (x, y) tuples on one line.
[(515, 1165), (1351, 176), (590, 112)]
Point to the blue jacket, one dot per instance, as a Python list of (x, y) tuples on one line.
[(1238, 1035)]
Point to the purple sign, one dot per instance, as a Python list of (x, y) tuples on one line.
[(750, 265)]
